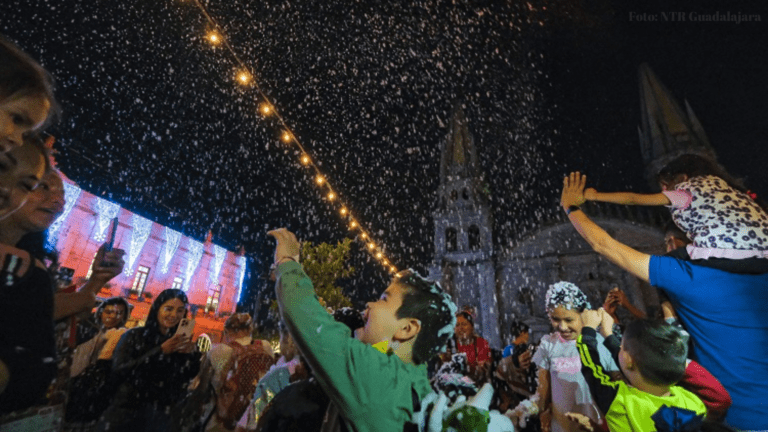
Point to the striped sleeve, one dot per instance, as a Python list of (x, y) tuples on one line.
[(603, 390)]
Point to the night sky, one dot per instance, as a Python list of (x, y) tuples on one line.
[(154, 120)]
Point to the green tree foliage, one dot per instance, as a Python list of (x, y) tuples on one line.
[(325, 264)]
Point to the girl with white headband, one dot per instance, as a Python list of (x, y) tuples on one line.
[(562, 388)]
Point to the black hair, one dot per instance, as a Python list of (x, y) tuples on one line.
[(426, 301), (518, 328), (113, 301), (20, 76), (168, 294), (670, 228), (694, 165), (658, 349)]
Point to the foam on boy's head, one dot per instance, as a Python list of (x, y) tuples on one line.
[(567, 295), (426, 301), (659, 350)]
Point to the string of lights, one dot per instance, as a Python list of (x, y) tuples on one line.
[(245, 76)]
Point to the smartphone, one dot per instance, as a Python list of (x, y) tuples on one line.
[(185, 327), (111, 235)]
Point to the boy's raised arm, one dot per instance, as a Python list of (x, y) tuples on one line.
[(620, 254), (354, 376), (603, 389)]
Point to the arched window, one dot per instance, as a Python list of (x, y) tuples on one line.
[(451, 237), (474, 237)]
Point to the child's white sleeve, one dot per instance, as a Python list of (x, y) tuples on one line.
[(542, 356)]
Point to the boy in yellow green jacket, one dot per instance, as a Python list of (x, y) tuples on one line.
[(652, 356)]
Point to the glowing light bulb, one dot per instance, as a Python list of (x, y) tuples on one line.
[(331, 196), (371, 246), (244, 77), (392, 269), (353, 224), (305, 159), (385, 262), (213, 38), (344, 211), (364, 236), (319, 179), (379, 255), (286, 137), (265, 109)]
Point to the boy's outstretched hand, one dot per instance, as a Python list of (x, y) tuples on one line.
[(573, 190), (287, 245)]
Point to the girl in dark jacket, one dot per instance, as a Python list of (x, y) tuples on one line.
[(152, 366)]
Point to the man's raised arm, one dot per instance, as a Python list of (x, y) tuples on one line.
[(620, 254)]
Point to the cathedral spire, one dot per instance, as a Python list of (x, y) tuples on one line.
[(459, 157), (666, 131)]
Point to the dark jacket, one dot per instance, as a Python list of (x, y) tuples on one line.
[(27, 344), (149, 383), (148, 376)]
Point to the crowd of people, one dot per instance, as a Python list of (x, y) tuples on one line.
[(412, 360)]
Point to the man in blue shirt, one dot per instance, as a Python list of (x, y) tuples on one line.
[(724, 312)]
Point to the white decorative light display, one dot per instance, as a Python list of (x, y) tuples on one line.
[(139, 236), (241, 264), (219, 253), (71, 194), (195, 249), (106, 211), (172, 240)]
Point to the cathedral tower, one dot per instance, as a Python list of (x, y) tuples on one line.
[(464, 260), (666, 131)]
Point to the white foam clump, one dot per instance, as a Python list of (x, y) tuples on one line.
[(523, 410)]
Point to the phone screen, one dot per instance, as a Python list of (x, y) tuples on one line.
[(111, 235)]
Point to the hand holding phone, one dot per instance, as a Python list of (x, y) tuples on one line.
[(111, 235), (110, 244), (186, 326)]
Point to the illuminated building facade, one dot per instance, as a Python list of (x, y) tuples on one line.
[(156, 257)]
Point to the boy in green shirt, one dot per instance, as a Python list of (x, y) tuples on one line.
[(374, 382)]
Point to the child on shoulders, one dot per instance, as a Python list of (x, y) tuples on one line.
[(723, 219)]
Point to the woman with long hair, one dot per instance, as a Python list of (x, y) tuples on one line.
[(151, 368)]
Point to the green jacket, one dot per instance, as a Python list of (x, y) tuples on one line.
[(371, 390)]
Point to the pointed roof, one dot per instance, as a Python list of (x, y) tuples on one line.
[(458, 158), (666, 131)]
